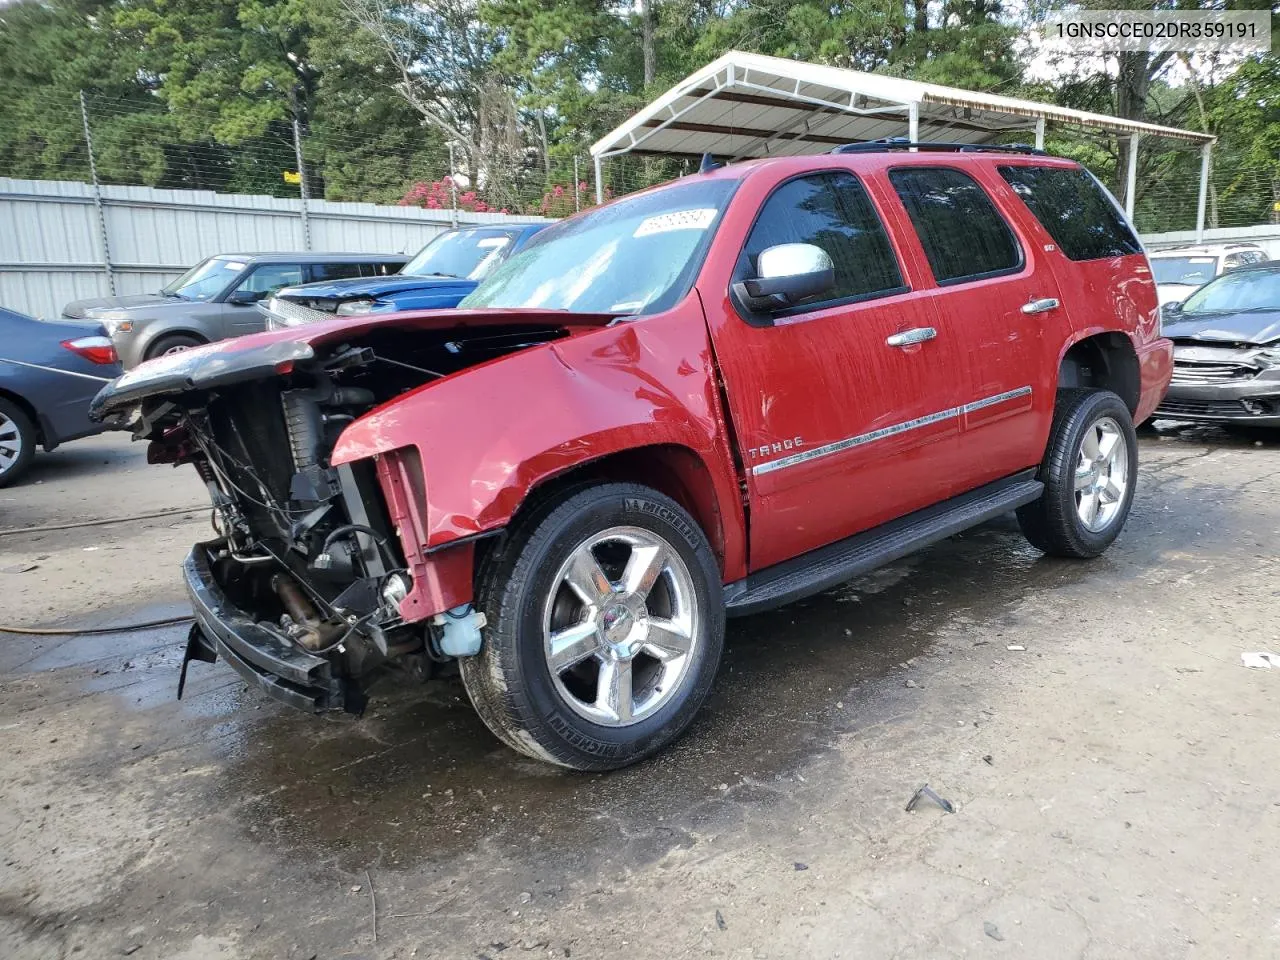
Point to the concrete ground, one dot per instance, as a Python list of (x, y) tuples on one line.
[(1115, 770)]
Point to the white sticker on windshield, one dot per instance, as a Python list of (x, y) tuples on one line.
[(235, 266), (489, 243), (698, 219)]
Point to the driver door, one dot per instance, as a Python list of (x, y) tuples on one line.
[(846, 408), (240, 314)]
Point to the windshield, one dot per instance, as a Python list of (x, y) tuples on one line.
[(1191, 271), (639, 255), (464, 254), (205, 280), (1236, 293)]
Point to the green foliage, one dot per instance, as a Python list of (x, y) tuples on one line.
[(205, 93)]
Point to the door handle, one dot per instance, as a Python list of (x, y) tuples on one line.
[(908, 337), (1042, 305)]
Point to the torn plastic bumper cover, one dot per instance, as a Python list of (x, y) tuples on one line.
[(262, 657)]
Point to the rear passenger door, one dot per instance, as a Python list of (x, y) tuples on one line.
[(842, 422), (998, 297)]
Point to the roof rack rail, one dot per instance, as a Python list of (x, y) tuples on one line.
[(902, 143)]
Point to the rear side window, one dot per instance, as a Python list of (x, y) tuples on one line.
[(322, 272), (831, 211), (1083, 221), (962, 233), (379, 269)]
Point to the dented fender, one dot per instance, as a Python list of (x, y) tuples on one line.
[(487, 436)]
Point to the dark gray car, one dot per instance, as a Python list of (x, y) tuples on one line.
[(1226, 350), (215, 299), (49, 371)]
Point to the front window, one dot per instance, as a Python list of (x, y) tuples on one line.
[(461, 254), (205, 280), (1240, 292), (637, 256), (1188, 271)]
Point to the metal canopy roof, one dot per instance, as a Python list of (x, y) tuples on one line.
[(748, 105)]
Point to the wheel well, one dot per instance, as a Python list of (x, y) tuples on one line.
[(673, 470), (1106, 361), (25, 406), (163, 334)]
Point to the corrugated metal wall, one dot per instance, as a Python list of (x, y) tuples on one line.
[(51, 249)]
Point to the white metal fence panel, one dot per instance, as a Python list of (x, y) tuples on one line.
[(52, 248), (1267, 236)]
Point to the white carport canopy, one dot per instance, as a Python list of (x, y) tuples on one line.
[(746, 105)]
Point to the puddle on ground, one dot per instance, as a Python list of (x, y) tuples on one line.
[(421, 778)]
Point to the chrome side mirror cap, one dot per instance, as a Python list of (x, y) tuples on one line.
[(787, 274)]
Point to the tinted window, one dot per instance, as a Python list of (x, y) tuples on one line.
[(271, 277), (1082, 219), (334, 271), (831, 211), (379, 269), (962, 233)]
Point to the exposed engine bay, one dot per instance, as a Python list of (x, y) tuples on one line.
[(304, 551)]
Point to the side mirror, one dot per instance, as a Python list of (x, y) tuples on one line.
[(242, 298), (1171, 309), (788, 274)]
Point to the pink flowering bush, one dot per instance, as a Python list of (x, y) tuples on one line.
[(559, 201), (436, 196)]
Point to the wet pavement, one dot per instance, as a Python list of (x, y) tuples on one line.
[(226, 825)]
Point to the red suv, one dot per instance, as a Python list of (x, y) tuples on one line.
[(709, 398)]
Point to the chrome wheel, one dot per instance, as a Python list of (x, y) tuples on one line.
[(1102, 474), (620, 626), (176, 348), (10, 443)]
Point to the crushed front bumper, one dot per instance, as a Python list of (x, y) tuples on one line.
[(1244, 399), (264, 658)]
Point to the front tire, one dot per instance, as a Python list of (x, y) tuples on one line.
[(605, 627), (1090, 471)]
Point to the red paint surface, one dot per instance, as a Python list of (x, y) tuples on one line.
[(486, 437)]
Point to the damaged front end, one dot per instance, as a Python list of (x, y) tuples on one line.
[(302, 585)]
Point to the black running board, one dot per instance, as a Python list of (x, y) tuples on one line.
[(835, 563)]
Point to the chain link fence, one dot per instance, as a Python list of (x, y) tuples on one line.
[(138, 143)]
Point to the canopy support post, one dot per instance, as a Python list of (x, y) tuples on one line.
[(1131, 176), (599, 180), (1204, 191), (913, 123), (1040, 134)]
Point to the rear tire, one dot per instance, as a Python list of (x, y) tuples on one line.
[(173, 343), (1089, 472), (605, 626), (17, 442)]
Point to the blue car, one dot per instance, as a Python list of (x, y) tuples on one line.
[(49, 371), (444, 271)]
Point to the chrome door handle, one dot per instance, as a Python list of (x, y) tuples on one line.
[(908, 337), (1043, 305)]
